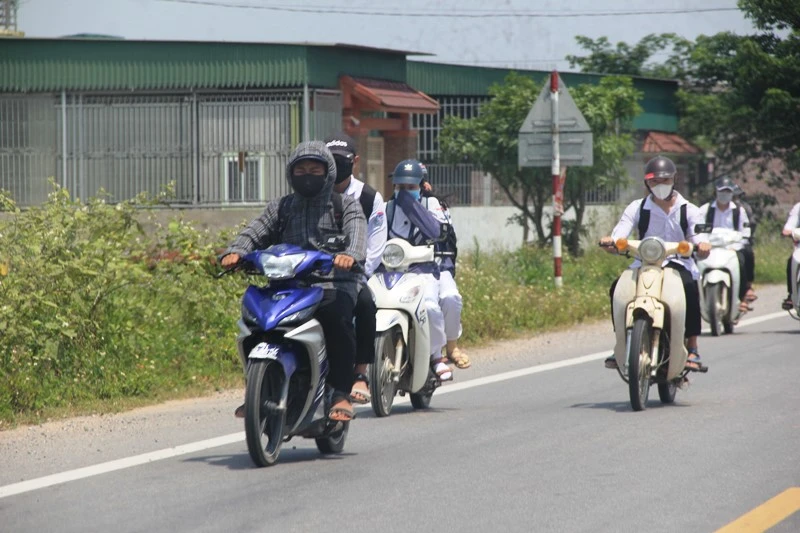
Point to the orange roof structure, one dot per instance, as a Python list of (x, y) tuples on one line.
[(661, 142)]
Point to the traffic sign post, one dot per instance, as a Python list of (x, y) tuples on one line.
[(555, 132)]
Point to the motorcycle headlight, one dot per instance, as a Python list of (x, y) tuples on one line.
[(652, 251), (275, 267), (393, 256), (300, 316)]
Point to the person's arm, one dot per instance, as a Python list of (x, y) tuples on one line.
[(695, 217), (438, 211), (629, 219), (376, 238), (257, 234), (354, 225), (793, 221)]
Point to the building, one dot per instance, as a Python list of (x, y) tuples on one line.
[(220, 119)]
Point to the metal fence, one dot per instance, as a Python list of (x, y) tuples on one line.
[(217, 148)]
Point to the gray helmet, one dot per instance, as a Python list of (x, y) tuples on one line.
[(723, 183), (659, 167), (408, 172)]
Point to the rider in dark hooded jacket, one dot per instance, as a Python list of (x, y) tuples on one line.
[(309, 216)]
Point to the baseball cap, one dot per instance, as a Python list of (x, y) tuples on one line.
[(342, 144)]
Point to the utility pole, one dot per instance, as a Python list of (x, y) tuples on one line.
[(8, 19)]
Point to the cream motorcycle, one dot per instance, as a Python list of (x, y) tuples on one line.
[(794, 310), (719, 282), (650, 302), (402, 337)]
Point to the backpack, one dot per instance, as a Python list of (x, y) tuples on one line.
[(644, 219), (367, 200), (712, 211), (286, 204), (450, 244)]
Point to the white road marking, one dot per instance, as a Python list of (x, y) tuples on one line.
[(136, 460)]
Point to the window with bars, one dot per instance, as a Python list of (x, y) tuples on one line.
[(428, 126), (247, 186)]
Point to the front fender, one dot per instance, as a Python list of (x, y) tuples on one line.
[(386, 319), (717, 276)]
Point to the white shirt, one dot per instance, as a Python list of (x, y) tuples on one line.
[(376, 225), (664, 225), (401, 227), (724, 219), (793, 222)]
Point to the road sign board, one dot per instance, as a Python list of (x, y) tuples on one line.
[(536, 134)]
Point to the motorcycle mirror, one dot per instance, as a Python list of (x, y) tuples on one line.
[(702, 228)]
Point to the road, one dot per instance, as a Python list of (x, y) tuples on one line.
[(534, 438)]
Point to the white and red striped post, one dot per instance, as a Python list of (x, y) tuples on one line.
[(555, 169)]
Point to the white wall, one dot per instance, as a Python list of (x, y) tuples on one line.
[(489, 226)]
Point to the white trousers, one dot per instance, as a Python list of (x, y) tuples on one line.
[(451, 304), (435, 316)]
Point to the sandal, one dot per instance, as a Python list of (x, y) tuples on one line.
[(360, 396), (341, 410), (750, 296), (611, 362), (787, 304), (239, 412), (459, 358), (693, 361), (442, 371), (744, 307)]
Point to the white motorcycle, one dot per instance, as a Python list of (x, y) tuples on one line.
[(720, 281), (402, 344), (649, 309), (794, 310)]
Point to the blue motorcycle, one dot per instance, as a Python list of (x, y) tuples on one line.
[(282, 348)]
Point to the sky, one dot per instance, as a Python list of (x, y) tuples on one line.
[(524, 34)]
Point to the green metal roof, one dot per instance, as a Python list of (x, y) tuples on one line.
[(438, 79), (40, 65)]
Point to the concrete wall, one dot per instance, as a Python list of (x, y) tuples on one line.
[(486, 226)]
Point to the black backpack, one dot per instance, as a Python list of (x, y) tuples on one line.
[(644, 219), (712, 211)]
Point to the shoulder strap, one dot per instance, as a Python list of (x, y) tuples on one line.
[(389, 216), (736, 216), (644, 219), (338, 209), (284, 208), (367, 200), (684, 220), (710, 216)]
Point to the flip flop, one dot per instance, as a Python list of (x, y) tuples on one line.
[(360, 396), (442, 371), (460, 359)]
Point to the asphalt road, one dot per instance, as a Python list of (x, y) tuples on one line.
[(530, 439)]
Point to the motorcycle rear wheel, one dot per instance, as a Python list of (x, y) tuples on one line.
[(640, 357), (261, 416), (382, 387)]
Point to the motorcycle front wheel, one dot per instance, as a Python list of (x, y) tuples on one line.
[(333, 443), (715, 304), (264, 423), (640, 359), (381, 381)]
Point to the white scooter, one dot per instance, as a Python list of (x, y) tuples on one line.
[(402, 338), (720, 281), (794, 311), (649, 309)]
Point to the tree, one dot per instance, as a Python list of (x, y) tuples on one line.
[(633, 60), (490, 140)]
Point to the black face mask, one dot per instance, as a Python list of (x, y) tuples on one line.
[(344, 168), (308, 185)]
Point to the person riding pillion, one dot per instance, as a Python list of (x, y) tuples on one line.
[(344, 151), (666, 214), (792, 223), (449, 297), (723, 212), (408, 219), (309, 215)]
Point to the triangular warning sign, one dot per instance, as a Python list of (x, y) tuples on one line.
[(540, 117)]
